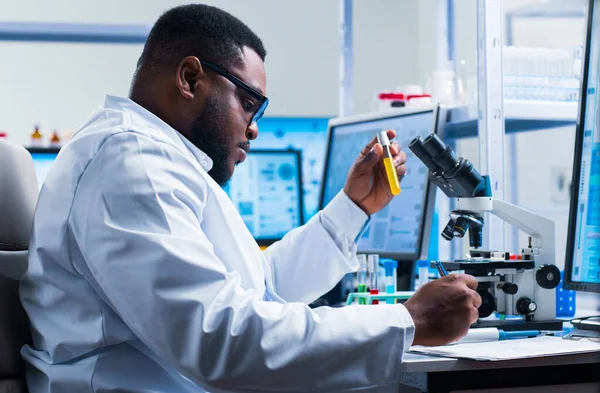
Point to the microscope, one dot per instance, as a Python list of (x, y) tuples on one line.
[(520, 289)]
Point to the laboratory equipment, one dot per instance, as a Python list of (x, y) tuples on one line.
[(267, 192), (541, 74), (373, 267), (388, 163), (36, 137), (582, 264), (440, 268), (481, 335), (401, 230), (361, 276), (422, 274), (390, 266), (42, 161), (55, 141), (523, 287)]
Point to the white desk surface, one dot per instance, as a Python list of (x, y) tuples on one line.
[(418, 363)]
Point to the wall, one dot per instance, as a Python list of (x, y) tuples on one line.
[(57, 85)]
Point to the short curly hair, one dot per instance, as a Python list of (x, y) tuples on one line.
[(200, 30)]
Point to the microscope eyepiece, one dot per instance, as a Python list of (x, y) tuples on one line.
[(440, 153), (416, 146), (455, 177)]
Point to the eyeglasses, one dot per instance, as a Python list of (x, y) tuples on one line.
[(263, 101)]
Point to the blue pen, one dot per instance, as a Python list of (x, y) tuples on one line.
[(502, 335), (441, 269)]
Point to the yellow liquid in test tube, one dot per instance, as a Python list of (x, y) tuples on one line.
[(390, 169)]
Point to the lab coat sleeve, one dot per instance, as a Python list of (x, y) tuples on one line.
[(312, 259), (135, 235)]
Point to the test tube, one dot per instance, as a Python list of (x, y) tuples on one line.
[(373, 265), (423, 273), (388, 163), (361, 276), (390, 267)]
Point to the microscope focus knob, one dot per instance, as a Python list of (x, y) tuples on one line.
[(488, 303), (526, 306), (510, 288), (547, 276)]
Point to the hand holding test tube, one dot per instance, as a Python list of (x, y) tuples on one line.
[(388, 162), (368, 183)]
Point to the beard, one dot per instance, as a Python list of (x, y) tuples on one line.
[(208, 135)]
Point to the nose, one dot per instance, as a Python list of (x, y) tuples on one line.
[(252, 132)]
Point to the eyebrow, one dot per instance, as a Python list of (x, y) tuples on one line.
[(258, 89), (255, 87)]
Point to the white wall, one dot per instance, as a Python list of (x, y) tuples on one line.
[(57, 85)]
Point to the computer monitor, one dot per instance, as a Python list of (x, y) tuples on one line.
[(42, 161), (267, 191), (582, 264), (401, 230)]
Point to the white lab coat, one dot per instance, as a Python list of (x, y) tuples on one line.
[(143, 278)]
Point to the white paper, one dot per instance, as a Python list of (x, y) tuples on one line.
[(512, 349)]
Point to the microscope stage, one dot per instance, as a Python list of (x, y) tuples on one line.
[(483, 266)]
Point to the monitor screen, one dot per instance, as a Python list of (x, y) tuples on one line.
[(397, 230), (583, 246), (267, 192), (42, 161)]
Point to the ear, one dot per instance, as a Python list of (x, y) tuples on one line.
[(189, 76)]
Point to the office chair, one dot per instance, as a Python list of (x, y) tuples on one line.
[(18, 195)]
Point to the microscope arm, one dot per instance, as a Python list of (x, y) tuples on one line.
[(540, 228)]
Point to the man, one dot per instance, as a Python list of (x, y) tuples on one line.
[(142, 276)]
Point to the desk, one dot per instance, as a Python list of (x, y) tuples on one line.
[(443, 375)]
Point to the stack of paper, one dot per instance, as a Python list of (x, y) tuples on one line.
[(512, 349)]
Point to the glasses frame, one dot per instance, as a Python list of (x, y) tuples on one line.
[(262, 99)]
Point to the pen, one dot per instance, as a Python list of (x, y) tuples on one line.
[(503, 335), (440, 268), (482, 335)]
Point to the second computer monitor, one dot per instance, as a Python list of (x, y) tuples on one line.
[(267, 192), (401, 230)]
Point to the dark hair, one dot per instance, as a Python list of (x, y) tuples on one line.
[(206, 32)]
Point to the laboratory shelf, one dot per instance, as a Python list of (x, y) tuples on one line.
[(74, 32), (519, 116), (552, 9)]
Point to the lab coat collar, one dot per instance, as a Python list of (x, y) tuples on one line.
[(149, 118)]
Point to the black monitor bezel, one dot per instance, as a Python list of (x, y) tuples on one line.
[(439, 115), (568, 283)]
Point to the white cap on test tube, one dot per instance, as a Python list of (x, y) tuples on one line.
[(382, 138)]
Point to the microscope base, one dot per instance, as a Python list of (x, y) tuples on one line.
[(516, 325)]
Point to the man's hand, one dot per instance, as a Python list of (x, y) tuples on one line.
[(444, 309), (367, 184)]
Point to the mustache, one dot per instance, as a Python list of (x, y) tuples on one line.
[(245, 146)]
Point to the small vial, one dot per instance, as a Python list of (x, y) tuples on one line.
[(373, 267), (36, 137), (361, 276), (423, 274), (390, 267), (388, 163), (55, 139)]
